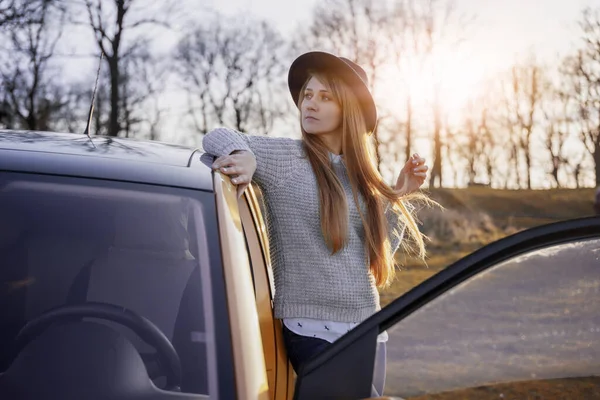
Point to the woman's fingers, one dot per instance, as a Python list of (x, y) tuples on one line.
[(241, 179), (222, 162), (417, 159), (232, 164), (421, 170), (231, 170), (240, 167), (230, 159)]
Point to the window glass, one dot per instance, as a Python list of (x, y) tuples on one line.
[(67, 241)]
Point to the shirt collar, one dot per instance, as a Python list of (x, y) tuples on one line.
[(336, 158)]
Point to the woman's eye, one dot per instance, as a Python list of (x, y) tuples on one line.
[(307, 95)]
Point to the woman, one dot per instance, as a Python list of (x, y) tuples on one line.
[(333, 223)]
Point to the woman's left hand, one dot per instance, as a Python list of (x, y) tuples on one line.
[(412, 175)]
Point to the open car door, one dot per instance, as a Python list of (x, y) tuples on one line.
[(518, 316)]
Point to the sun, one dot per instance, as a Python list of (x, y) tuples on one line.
[(444, 77)]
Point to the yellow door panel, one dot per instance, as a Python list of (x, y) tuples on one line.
[(249, 361)]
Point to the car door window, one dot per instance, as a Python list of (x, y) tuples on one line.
[(529, 325), (66, 241)]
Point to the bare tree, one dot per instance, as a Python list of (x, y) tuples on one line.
[(559, 120), (441, 27), (7, 120), (577, 165), (19, 12), (490, 144), (111, 22), (406, 42), (402, 34), (472, 135), (582, 72), (524, 91), (230, 69), (32, 94), (350, 28), (73, 116), (142, 82), (474, 140)]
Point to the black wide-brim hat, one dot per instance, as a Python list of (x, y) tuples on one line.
[(351, 73)]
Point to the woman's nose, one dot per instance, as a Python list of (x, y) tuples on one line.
[(310, 105)]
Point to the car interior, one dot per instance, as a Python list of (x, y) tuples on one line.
[(64, 246)]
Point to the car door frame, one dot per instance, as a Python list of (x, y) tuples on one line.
[(280, 374), (248, 355), (336, 372)]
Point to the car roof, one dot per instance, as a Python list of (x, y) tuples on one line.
[(104, 157)]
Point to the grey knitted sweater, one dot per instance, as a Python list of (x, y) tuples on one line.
[(310, 282)]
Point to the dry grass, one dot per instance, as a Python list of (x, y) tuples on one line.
[(558, 389), (477, 216), (521, 208)]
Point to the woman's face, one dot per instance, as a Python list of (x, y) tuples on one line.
[(320, 112)]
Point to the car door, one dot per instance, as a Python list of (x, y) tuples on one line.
[(515, 319)]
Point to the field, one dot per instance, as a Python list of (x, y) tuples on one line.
[(474, 217)]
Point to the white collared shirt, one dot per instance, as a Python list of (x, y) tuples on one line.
[(326, 330)]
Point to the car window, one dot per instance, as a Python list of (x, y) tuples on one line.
[(529, 325), (66, 241)]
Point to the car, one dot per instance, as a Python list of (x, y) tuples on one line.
[(131, 270)]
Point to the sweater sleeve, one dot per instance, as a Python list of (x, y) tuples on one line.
[(274, 156)]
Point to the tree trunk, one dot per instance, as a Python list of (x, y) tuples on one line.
[(436, 170), (528, 162), (555, 168), (113, 123), (597, 161), (515, 160), (489, 168)]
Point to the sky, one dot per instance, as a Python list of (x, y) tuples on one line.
[(502, 28)]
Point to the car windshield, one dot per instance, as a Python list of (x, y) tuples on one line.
[(67, 241)]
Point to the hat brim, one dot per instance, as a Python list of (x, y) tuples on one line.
[(322, 61)]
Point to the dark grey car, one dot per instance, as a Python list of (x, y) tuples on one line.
[(128, 270)]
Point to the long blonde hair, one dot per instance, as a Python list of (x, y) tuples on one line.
[(365, 179)]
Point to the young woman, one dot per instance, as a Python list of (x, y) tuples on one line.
[(333, 223)]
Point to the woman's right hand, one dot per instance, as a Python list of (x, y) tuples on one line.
[(240, 166)]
